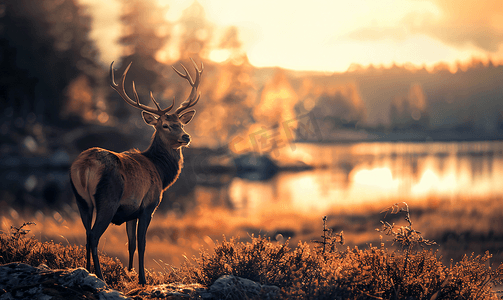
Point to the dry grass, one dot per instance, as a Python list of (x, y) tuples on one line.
[(459, 226), (302, 272)]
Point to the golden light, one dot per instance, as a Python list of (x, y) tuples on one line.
[(306, 194), (219, 55), (380, 178), (277, 101), (427, 183), (331, 35), (431, 182)]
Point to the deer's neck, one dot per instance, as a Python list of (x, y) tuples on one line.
[(169, 162)]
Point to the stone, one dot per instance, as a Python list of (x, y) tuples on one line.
[(233, 287), (22, 281)]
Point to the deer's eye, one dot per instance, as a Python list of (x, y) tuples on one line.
[(165, 126)]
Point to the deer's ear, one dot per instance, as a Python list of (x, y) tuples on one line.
[(187, 116), (149, 118)]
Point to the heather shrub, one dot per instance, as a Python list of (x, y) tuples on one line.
[(16, 247), (317, 270), (411, 271), (306, 272)]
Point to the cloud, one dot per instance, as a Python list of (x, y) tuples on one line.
[(481, 36), (462, 23), (458, 23)]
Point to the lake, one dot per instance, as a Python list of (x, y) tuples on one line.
[(443, 183), (369, 173)]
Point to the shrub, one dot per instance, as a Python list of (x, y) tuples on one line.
[(16, 247), (323, 272), (302, 272)]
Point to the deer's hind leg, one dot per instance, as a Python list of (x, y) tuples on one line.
[(108, 194), (86, 214)]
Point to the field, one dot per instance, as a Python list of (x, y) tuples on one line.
[(398, 261)]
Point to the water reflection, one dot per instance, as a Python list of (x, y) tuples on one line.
[(344, 175), (370, 173), (352, 182)]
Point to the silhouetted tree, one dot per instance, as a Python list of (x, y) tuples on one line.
[(145, 33), (240, 97), (411, 111), (233, 95), (45, 45), (337, 105)]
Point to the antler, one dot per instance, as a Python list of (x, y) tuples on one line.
[(193, 97), (119, 88)]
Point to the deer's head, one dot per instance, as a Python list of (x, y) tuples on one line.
[(168, 126)]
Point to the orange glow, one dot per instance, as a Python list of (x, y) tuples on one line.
[(401, 171), (357, 179), (219, 55), (332, 35), (274, 118), (380, 178), (430, 182), (277, 101)]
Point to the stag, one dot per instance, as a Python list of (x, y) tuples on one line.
[(128, 186)]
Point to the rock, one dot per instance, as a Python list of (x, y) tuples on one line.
[(232, 287), (255, 167), (22, 281)]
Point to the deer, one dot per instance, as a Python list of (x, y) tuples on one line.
[(128, 186)]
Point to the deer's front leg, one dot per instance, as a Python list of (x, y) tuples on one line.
[(144, 221), (131, 235)]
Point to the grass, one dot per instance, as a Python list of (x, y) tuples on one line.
[(409, 269)]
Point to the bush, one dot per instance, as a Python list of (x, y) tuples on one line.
[(374, 273), (303, 272), (16, 247)]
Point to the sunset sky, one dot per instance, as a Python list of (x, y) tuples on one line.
[(331, 35)]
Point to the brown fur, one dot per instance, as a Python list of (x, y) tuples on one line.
[(138, 173), (123, 187), (127, 187)]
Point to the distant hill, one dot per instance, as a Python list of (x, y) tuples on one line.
[(467, 103)]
